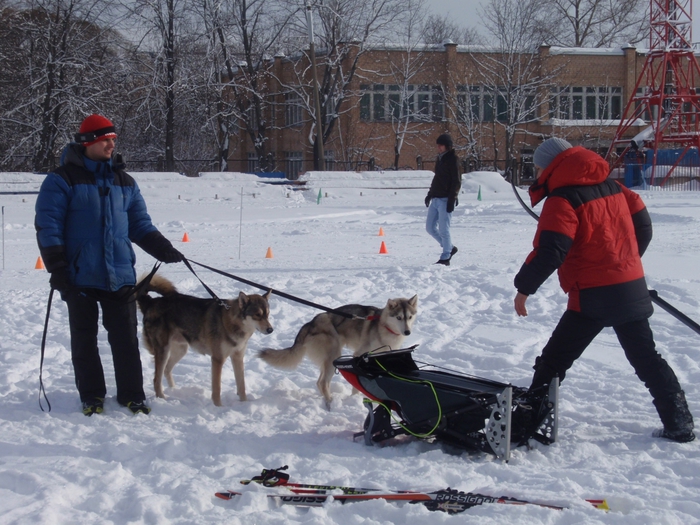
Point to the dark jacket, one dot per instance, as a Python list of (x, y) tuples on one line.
[(593, 231), (447, 181), (87, 215)]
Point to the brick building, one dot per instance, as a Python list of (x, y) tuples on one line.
[(497, 107)]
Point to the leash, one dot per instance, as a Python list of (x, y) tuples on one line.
[(675, 312), (41, 363), (142, 286), (211, 292), (266, 288)]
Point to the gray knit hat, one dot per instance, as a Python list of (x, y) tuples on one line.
[(549, 149)]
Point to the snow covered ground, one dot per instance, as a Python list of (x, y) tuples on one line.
[(61, 467)]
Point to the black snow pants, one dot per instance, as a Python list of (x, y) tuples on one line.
[(119, 319), (575, 332)]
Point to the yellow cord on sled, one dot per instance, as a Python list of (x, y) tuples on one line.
[(437, 402)]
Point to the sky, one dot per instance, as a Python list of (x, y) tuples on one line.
[(60, 467), (462, 12), (466, 12)]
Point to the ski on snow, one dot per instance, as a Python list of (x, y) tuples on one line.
[(312, 495)]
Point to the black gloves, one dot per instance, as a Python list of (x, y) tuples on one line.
[(427, 201), (171, 255), (59, 280), (451, 203), (159, 247)]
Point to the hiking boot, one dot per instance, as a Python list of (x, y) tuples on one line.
[(527, 416), (93, 406), (138, 406), (454, 250), (683, 436), (445, 262), (676, 417)]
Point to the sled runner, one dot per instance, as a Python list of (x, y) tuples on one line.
[(462, 411)]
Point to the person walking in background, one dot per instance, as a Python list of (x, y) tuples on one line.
[(442, 197), (88, 212), (593, 231)]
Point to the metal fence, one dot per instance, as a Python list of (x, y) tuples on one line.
[(636, 172), (675, 170)]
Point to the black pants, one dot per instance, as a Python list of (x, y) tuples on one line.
[(575, 332), (119, 319)]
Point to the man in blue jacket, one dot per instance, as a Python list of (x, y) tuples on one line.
[(88, 212)]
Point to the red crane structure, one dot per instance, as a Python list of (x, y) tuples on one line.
[(665, 98)]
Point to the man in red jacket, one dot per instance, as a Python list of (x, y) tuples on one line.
[(593, 231)]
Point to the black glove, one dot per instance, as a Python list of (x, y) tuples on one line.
[(427, 201), (451, 205), (60, 280), (171, 255), (159, 247)]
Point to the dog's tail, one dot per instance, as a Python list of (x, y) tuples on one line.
[(285, 358), (157, 284), (160, 285)]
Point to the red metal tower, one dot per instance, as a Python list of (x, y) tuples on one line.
[(665, 96)]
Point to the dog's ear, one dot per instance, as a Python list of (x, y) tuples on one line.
[(413, 301), (391, 303), (242, 300), (267, 295)]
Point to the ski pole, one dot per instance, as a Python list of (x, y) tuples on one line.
[(675, 312)]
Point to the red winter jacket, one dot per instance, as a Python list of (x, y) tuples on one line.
[(593, 231)]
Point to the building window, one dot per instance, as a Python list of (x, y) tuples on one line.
[(365, 105), (586, 103), (477, 103), (253, 164), (642, 92), (294, 161), (470, 104), (486, 104), (292, 109), (378, 101), (430, 103), (390, 103), (329, 159)]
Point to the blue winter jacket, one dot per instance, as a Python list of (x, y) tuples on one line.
[(87, 215)]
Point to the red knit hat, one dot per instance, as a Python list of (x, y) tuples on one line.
[(94, 129)]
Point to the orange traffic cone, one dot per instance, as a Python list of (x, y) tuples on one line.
[(39, 264), (382, 248), (269, 255), (185, 238), (381, 232)]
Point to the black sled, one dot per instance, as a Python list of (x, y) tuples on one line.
[(466, 412)]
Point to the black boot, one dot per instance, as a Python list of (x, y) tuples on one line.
[(676, 417), (544, 374)]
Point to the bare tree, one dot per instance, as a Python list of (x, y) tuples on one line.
[(515, 80), (347, 27), (438, 29), (406, 119), (243, 35), (464, 113), (593, 23), (161, 25), (55, 72)]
